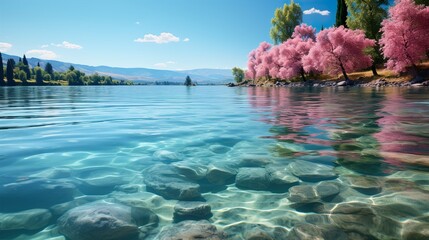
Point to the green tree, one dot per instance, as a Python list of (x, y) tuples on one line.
[(238, 74), (23, 77), (9, 72), (367, 15), (71, 68), (284, 21), (47, 77), (424, 2), (341, 13), (2, 82), (188, 81), (49, 70), (24, 60), (39, 76)]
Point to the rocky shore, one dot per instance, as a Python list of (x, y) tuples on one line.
[(381, 82)]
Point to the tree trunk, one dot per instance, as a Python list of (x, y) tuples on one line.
[(303, 75), (345, 74), (374, 70)]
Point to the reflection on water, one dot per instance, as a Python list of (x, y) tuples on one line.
[(258, 163)]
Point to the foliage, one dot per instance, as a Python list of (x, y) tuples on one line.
[(238, 74), (188, 81), (294, 50), (2, 83), (284, 21), (283, 61), (405, 35), (368, 15), (254, 68), (25, 61), (22, 76), (39, 75), (341, 16), (424, 2), (9, 72), (339, 50), (48, 69)]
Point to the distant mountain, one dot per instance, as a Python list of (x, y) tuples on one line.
[(147, 75)]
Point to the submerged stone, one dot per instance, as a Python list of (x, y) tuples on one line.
[(312, 194), (365, 185), (165, 181), (192, 211), (311, 172), (191, 230), (101, 180), (303, 194), (190, 170), (305, 231), (105, 221), (26, 220), (252, 178), (416, 231), (281, 179), (35, 193), (167, 156), (219, 174)]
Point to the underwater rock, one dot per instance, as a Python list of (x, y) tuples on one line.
[(167, 156), (35, 193), (365, 185), (163, 180), (252, 231), (26, 220), (219, 149), (191, 171), (305, 231), (105, 221), (191, 211), (101, 180), (311, 172), (190, 230), (416, 231), (252, 178), (281, 180), (311, 194), (361, 218), (303, 194), (253, 161), (220, 174)]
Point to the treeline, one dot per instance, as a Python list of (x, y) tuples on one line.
[(367, 33), (23, 74)]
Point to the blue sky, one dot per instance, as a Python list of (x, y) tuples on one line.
[(162, 34)]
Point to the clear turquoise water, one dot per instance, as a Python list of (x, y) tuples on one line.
[(106, 137)]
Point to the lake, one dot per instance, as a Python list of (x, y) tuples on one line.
[(258, 163)]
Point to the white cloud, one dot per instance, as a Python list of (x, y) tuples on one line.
[(68, 45), (164, 64), (45, 46), (186, 40), (317, 11), (41, 53), (162, 38), (4, 47)]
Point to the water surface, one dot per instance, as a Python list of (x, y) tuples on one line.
[(102, 140)]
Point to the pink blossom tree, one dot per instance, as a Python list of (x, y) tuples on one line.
[(254, 64), (294, 50), (405, 38), (339, 50)]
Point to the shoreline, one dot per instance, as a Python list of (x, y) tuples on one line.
[(381, 82)]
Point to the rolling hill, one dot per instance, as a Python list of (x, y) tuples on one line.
[(145, 75)]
